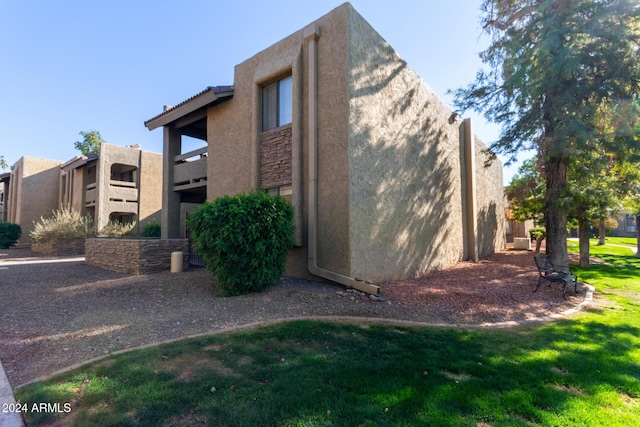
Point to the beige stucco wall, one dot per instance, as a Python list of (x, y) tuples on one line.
[(145, 200), (489, 202), (405, 171), (150, 188), (390, 174), (34, 192), (234, 129)]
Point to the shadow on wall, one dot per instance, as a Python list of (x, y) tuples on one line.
[(487, 230), (403, 155)]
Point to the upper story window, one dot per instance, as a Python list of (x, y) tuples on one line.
[(277, 104)]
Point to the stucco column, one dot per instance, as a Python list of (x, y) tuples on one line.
[(170, 217), (471, 243)]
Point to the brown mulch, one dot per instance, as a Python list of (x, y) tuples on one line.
[(57, 314)]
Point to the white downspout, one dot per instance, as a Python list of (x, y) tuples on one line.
[(311, 35)]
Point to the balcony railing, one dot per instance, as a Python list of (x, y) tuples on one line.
[(90, 195), (190, 170)]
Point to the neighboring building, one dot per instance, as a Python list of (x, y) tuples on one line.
[(4, 194), (118, 183), (626, 226), (33, 192), (381, 173)]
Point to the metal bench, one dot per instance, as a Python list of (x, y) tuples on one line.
[(547, 271)]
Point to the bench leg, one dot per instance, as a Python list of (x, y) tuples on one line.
[(539, 282)]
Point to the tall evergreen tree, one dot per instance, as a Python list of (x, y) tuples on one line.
[(553, 67)]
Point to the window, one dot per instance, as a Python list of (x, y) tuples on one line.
[(277, 104)]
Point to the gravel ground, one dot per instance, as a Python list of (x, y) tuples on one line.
[(61, 312)]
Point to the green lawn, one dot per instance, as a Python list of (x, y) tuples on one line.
[(584, 370), (630, 241)]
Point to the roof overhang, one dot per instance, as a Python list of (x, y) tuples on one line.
[(212, 95), (78, 161)]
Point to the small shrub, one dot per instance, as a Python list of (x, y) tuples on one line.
[(9, 234), (151, 229), (244, 240), (117, 229), (63, 224), (536, 233)]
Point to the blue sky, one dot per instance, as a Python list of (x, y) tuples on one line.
[(76, 65)]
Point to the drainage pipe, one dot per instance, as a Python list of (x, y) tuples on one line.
[(311, 35)]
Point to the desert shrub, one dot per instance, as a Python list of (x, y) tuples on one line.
[(117, 229), (244, 240), (63, 223), (9, 234), (536, 233), (151, 229)]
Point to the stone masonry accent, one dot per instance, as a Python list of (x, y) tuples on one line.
[(134, 256), (60, 247), (275, 157)]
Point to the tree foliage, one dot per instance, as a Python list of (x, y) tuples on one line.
[(563, 78), (90, 143), (526, 193), (3, 163)]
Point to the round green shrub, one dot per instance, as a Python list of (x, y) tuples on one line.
[(9, 234), (244, 240), (151, 229)]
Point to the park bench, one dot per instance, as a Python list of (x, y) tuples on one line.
[(547, 271)]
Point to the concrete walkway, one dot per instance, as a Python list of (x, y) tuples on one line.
[(10, 418)]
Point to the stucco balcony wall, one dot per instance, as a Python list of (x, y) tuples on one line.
[(189, 172)]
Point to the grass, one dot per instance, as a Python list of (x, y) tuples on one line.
[(630, 241), (584, 370)]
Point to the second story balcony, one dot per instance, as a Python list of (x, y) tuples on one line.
[(190, 170)]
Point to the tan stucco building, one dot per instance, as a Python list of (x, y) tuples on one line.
[(385, 180), (118, 183), (4, 194), (32, 193)]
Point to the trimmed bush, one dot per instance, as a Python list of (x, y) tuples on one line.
[(244, 240), (151, 229), (536, 233), (63, 223), (9, 234)]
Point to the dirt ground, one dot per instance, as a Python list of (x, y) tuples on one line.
[(58, 312)]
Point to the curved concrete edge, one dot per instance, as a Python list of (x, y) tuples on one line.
[(350, 319), (8, 419)]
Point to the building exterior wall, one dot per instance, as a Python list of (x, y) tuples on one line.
[(234, 146), (34, 189), (91, 189), (405, 170), (150, 203), (391, 179), (490, 203)]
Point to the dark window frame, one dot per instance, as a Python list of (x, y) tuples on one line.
[(272, 103)]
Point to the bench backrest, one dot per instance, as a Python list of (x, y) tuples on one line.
[(543, 263)]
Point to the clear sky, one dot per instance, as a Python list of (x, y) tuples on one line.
[(77, 65)]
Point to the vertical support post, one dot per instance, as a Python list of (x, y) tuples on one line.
[(170, 217), (470, 191)]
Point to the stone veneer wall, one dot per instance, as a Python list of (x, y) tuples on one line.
[(275, 157), (134, 256), (60, 247)]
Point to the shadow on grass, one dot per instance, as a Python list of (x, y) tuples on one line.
[(320, 373)]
